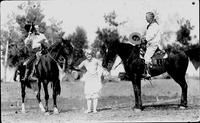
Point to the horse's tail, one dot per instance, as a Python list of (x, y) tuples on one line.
[(193, 52)]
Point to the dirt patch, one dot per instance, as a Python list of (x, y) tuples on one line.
[(115, 104)]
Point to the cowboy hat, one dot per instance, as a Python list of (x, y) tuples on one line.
[(135, 38)]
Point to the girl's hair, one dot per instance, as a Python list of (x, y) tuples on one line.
[(153, 17), (151, 14)]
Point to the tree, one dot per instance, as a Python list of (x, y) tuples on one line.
[(80, 42), (183, 34), (107, 35), (10, 37), (17, 31), (33, 15), (79, 38), (54, 31)]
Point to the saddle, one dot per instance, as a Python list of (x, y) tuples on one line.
[(159, 55), (157, 59)]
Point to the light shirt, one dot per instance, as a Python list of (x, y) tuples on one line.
[(153, 33), (36, 40), (93, 66)]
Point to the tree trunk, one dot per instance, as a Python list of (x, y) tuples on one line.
[(5, 61)]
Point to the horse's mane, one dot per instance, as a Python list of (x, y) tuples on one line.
[(134, 50), (126, 49), (54, 45), (128, 46)]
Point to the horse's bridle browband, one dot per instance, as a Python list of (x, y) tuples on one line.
[(49, 52), (122, 61)]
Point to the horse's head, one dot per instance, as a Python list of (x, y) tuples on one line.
[(109, 54), (67, 50)]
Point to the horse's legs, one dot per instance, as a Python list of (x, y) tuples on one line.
[(177, 71), (23, 93), (55, 87), (136, 82), (38, 97), (182, 82), (45, 86), (184, 87)]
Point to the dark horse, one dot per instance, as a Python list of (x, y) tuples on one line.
[(175, 64), (46, 71)]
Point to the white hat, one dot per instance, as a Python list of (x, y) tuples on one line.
[(132, 36), (65, 36)]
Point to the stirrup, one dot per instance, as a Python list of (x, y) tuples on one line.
[(147, 76)]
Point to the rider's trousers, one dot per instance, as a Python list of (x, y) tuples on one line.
[(151, 48)]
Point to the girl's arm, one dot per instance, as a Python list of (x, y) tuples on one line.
[(81, 65), (101, 71)]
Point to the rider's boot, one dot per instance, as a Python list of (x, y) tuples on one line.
[(35, 63), (32, 77), (26, 74), (146, 73)]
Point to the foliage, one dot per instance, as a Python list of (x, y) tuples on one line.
[(110, 18), (16, 35), (183, 34), (183, 37), (80, 42), (54, 31), (79, 38), (33, 15), (13, 38), (107, 35)]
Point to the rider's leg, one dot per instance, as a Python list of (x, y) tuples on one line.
[(28, 67), (38, 55), (147, 57)]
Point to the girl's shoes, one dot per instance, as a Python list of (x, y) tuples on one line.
[(88, 111), (94, 111)]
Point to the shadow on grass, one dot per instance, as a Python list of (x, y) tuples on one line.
[(161, 106)]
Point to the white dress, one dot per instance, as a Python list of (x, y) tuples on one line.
[(92, 78)]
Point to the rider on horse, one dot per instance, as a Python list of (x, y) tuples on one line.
[(38, 42), (153, 41)]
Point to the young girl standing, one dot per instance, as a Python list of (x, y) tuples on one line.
[(92, 79)]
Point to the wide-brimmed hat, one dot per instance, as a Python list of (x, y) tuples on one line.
[(135, 38)]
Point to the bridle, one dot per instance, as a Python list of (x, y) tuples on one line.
[(49, 52), (122, 61)]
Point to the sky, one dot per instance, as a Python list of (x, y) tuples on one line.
[(89, 13)]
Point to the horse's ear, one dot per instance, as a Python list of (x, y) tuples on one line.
[(72, 44), (62, 41)]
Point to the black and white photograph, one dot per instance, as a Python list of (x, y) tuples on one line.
[(91, 61)]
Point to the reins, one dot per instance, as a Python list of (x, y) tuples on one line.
[(49, 52), (122, 61)]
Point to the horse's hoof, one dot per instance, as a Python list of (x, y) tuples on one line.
[(42, 110), (23, 111), (182, 107), (55, 111), (137, 110), (41, 107), (47, 113)]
